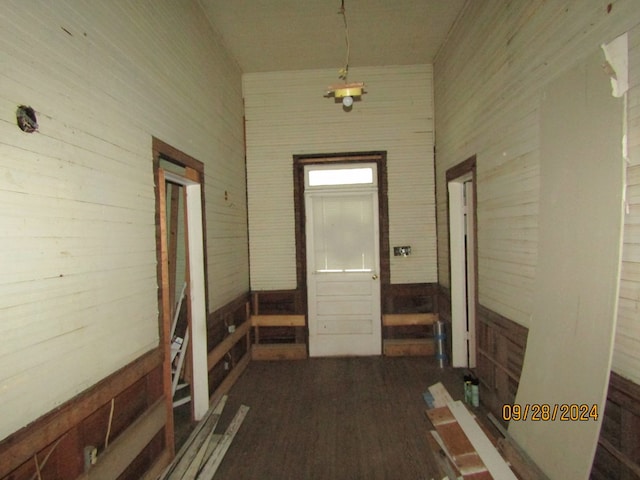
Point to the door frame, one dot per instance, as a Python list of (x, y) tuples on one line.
[(299, 162), (320, 344), (462, 306), (197, 304)]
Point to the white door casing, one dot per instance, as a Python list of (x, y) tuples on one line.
[(343, 264), (462, 279), (198, 313)]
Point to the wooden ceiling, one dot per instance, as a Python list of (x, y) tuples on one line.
[(276, 35)]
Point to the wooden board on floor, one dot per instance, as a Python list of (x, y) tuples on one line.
[(489, 455), (458, 444), (210, 468), (440, 395)]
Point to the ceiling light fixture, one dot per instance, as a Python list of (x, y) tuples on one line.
[(345, 91)]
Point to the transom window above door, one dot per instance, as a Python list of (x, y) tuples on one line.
[(322, 176)]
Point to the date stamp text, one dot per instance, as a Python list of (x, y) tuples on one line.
[(544, 412)]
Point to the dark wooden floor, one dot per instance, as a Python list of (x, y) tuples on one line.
[(334, 418)]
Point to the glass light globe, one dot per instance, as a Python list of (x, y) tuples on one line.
[(347, 101)]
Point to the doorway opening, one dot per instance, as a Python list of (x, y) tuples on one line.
[(182, 287), (342, 249), (463, 261)]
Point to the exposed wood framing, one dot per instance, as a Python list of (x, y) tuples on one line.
[(395, 320), (402, 347), (219, 352), (279, 325), (416, 345), (278, 320), (123, 451), (174, 202), (230, 379), (21, 446), (279, 351)]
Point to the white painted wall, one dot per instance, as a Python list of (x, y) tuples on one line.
[(286, 114), (78, 291), (490, 81), (626, 353), (487, 82)]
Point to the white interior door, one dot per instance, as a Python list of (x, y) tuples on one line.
[(342, 269)]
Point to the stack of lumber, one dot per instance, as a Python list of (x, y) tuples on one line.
[(202, 453), (468, 452)]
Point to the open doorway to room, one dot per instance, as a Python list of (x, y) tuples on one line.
[(182, 286), (463, 261), (342, 286)]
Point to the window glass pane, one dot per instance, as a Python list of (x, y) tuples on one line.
[(341, 176), (344, 234)]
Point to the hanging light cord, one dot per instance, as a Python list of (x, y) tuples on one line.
[(344, 72)]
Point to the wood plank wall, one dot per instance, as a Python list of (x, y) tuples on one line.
[(135, 389), (626, 353), (287, 115), (79, 293), (61, 435), (488, 83)]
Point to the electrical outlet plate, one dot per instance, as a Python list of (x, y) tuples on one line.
[(90, 456), (402, 251)]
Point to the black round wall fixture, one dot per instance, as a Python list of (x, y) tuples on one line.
[(26, 119)]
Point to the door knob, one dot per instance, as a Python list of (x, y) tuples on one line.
[(374, 276)]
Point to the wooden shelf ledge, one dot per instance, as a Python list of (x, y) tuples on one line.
[(403, 319), (408, 347), (278, 320), (279, 351)]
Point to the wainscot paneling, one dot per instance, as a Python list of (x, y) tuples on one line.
[(228, 344), (618, 453), (501, 345), (124, 417)]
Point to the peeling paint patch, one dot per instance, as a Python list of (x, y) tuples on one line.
[(616, 66)]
